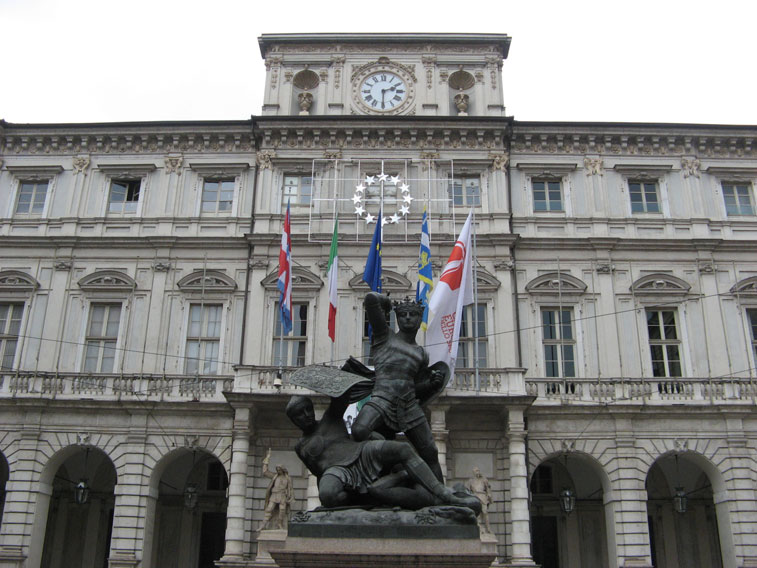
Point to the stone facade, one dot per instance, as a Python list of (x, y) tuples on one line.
[(615, 278)]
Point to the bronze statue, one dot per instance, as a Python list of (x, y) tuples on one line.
[(279, 495), (369, 472), (479, 486), (403, 378)]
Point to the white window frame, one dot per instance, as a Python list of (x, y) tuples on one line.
[(646, 173), (665, 342), (462, 178), (299, 175), (88, 305), (560, 342), (19, 337), (733, 176), (33, 174), (470, 340), (750, 193), (115, 172), (214, 172), (138, 209), (220, 363), (662, 197), (288, 339)]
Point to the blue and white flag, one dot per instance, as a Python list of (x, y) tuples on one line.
[(425, 276)]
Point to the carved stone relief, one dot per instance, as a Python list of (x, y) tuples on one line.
[(594, 166)]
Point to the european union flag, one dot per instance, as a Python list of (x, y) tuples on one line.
[(372, 273), (425, 277)]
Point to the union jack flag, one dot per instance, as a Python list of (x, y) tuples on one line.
[(285, 276)]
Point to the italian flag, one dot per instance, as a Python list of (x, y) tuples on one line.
[(333, 280)]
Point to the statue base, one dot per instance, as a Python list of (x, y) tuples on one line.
[(434, 537)]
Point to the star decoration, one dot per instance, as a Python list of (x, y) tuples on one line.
[(389, 184), (404, 210), (382, 176), (359, 210), (360, 188), (394, 180), (357, 198), (405, 188), (369, 219), (407, 198), (394, 218), (384, 221), (370, 180)]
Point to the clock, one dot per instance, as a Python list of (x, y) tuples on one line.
[(383, 87), (383, 91)]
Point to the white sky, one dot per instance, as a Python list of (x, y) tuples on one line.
[(641, 61)]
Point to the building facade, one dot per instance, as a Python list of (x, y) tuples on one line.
[(605, 382)]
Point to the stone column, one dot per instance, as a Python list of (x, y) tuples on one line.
[(236, 512), (520, 516), (627, 503), (441, 434)]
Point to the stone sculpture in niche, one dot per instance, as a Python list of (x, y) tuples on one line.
[(479, 486), (279, 495)]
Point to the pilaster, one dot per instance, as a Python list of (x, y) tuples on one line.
[(520, 530)]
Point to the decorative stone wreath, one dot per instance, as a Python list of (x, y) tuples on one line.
[(382, 180)]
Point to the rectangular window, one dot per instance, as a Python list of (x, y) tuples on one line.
[(752, 314), (464, 191), (31, 197), (10, 325), (297, 189), (664, 344), (217, 195), (102, 336), (391, 321), (466, 354), (738, 199), (289, 350), (547, 195), (124, 195), (203, 339), (559, 342), (644, 197)]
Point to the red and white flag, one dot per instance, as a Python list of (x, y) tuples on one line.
[(333, 281), (454, 290)]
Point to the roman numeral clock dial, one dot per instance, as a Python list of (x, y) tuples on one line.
[(383, 91)]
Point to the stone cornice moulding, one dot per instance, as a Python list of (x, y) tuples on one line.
[(36, 172), (732, 172), (650, 169), (554, 169), (126, 169), (219, 168), (556, 284)]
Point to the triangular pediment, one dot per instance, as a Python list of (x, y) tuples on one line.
[(302, 279), (556, 284), (208, 281), (107, 281), (660, 284)]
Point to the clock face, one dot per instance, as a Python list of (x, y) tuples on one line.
[(383, 91)]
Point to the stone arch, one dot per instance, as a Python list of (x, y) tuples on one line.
[(691, 465), (393, 282), (302, 279), (745, 287), (208, 281), (17, 281), (556, 283), (108, 281), (572, 452), (660, 284)]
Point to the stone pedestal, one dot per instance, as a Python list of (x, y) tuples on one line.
[(267, 541), (435, 537)]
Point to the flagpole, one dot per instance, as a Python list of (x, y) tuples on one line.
[(475, 303)]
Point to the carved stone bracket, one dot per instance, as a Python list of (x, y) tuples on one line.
[(504, 265), (263, 159), (681, 445), (63, 265), (173, 164), (690, 167), (429, 61), (81, 164), (83, 438), (338, 62), (500, 161), (706, 267), (332, 154), (191, 441), (594, 166), (159, 266), (605, 268), (568, 446)]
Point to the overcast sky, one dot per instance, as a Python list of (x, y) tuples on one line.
[(642, 61)]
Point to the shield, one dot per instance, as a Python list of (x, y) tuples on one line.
[(330, 381)]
